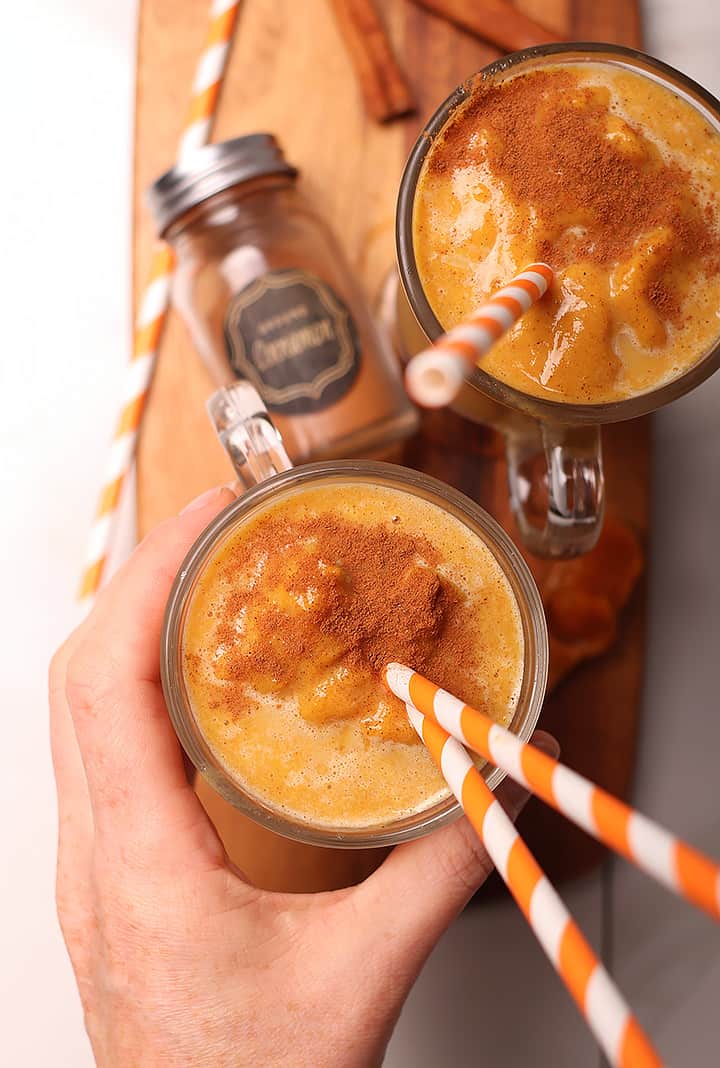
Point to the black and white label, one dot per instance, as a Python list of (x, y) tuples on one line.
[(291, 335)]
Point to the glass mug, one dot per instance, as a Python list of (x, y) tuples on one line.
[(554, 449), (258, 456)]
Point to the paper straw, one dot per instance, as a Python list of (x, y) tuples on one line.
[(685, 870), (616, 1029), (153, 306), (434, 377), (209, 76)]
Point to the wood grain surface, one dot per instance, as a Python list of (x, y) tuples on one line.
[(289, 74)]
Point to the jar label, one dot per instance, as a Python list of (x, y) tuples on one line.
[(291, 335)]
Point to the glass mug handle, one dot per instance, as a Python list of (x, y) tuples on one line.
[(247, 433), (557, 486)]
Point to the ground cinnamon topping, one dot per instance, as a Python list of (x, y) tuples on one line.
[(373, 595), (664, 300), (334, 594), (547, 140), (295, 615)]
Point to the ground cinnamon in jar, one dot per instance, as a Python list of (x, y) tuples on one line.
[(268, 297)]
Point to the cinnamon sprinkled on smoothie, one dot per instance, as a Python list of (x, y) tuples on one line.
[(374, 594), (665, 301), (334, 598), (613, 179), (292, 621), (547, 139)]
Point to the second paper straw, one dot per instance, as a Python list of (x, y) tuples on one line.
[(616, 1029), (661, 854), (153, 307), (435, 376)]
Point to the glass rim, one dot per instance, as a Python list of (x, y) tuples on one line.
[(514, 567), (540, 407)]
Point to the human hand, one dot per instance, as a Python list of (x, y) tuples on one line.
[(178, 960)]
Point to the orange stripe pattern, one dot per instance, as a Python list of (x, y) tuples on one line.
[(203, 104), (433, 378), (661, 854), (209, 75), (152, 309), (604, 1008)]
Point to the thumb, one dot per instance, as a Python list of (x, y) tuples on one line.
[(423, 885)]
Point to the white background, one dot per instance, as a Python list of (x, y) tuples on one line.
[(487, 997)]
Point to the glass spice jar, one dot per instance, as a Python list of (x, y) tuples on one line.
[(267, 296)]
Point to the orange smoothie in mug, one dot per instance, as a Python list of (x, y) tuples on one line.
[(610, 177), (292, 621)]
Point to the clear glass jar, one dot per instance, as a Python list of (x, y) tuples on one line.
[(267, 296)]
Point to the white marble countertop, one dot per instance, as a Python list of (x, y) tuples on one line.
[(66, 314)]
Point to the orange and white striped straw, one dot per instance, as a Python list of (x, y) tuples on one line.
[(153, 306), (615, 1027), (434, 377), (686, 871)]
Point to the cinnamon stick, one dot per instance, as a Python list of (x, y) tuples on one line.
[(492, 20), (382, 83)]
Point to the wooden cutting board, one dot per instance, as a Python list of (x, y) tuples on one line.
[(289, 74)]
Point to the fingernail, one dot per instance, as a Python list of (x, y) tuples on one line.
[(203, 500)]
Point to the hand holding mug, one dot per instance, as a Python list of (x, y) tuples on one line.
[(178, 959)]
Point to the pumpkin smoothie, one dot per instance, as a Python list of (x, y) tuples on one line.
[(612, 179), (292, 621)]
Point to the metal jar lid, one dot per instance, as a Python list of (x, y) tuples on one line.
[(211, 169)]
